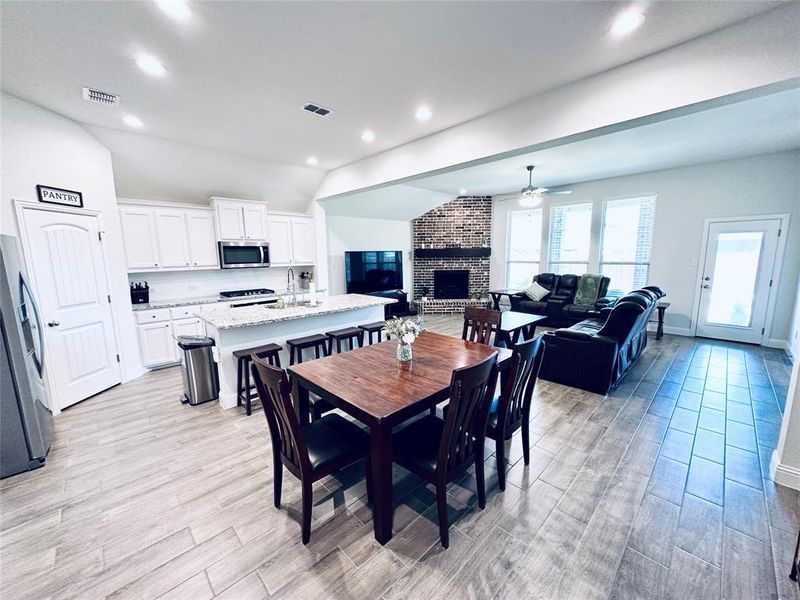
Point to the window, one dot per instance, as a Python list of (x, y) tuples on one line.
[(524, 247), (626, 241), (570, 238)]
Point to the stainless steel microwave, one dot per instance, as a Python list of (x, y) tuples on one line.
[(239, 255)]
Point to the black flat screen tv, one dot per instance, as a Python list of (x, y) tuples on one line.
[(373, 271)]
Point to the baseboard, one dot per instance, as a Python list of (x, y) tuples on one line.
[(684, 331), (784, 474), (132, 374), (227, 401), (776, 343)]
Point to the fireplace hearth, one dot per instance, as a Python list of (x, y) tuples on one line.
[(450, 285)]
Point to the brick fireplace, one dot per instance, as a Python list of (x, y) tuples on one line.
[(453, 237)]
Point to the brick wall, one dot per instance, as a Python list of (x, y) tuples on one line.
[(465, 222)]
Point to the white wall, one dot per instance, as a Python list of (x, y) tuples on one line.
[(793, 342), (760, 185), (355, 233), (42, 147)]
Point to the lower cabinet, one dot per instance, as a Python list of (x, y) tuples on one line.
[(157, 344), (158, 334)]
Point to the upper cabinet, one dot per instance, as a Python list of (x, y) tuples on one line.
[(240, 220), (291, 240), (166, 238)]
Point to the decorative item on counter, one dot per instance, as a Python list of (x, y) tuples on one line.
[(140, 292), (281, 303), (406, 330), (305, 279), (312, 288)]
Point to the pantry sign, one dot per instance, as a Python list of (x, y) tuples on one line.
[(53, 195)]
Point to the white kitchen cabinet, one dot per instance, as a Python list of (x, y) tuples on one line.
[(291, 240), (157, 344), (303, 241), (202, 240), (255, 222), (239, 220), (280, 244), (173, 239), (190, 326), (139, 234)]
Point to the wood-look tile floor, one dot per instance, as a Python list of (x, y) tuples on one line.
[(658, 490)]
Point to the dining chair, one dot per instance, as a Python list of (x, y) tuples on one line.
[(309, 452), (440, 450), (480, 324), (511, 410)]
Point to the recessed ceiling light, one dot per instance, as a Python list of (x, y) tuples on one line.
[(423, 113), (627, 21), (462, 192), (132, 121), (368, 135), (312, 160), (150, 65), (178, 10)]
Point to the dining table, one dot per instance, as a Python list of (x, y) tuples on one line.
[(514, 325), (374, 387)]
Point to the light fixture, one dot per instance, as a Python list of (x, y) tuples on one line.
[(178, 10), (423, 113), (627, 21), (529, 196), (312, 160), (462, 192), (368, 136), (150, 65), (132, 121)]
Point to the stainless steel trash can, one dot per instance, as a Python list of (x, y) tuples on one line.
[(200, 376)]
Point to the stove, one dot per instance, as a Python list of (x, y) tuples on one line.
[(242, 293)]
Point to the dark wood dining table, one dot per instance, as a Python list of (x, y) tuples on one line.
[(372, 386)]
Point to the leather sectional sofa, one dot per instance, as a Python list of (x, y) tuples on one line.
[(559, 305), (598, 352)]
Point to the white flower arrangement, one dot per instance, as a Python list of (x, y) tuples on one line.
[(405, 330)]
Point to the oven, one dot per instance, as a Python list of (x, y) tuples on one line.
[(239, 255)]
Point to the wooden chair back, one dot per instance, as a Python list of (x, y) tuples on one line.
[(274, 391), (471, 391), (480, 324), (517, 389)]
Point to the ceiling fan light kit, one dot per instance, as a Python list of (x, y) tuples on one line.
[(529, 196)]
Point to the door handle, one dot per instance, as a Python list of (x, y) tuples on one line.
[(706, 287), (53, 324), (706, 278)]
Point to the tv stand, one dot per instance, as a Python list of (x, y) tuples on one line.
[(400, 308)]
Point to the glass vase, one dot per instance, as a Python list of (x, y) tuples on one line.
[(404, 352)]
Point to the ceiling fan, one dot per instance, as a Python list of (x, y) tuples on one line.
[(531, 197)]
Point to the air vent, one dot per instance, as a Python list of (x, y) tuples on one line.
[(99, 97), (317, 110)]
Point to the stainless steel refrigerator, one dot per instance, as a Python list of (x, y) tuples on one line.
[(26, 423)]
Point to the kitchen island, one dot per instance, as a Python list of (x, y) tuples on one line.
[(256, 325)]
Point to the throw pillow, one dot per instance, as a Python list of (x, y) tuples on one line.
[(536, 292)]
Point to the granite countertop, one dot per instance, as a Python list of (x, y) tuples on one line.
[(260, 314), (211, 299)]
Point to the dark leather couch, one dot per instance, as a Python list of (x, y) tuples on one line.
[(597, 353), (559, 306)]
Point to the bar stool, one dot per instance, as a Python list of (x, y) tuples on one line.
[(319, 343), (244, 388), (371, 328), (296, 346), (349, 335)]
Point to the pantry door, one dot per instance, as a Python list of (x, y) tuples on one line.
[(737, 279), (67, 264)]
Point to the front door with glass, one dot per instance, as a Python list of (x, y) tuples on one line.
[(737, 277)]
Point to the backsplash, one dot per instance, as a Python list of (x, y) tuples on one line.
[(168, 285)]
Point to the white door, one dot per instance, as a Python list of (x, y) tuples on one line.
[(280, 240), (157, 344), (173, 242), (737, 277), (255, 222), (303, 241), (230, 225), (190, 326), (139, 235), (68, 266), (202, 241)]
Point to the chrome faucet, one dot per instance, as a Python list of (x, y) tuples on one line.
[(291, 288)]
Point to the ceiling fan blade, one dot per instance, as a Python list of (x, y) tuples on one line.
[(559, 193)]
